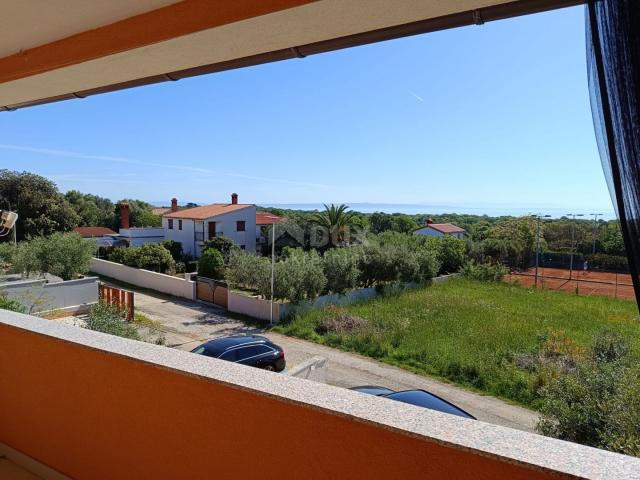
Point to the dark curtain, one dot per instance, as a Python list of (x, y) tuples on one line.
[(613, 63)]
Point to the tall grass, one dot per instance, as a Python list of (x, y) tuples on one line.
[(469, 331)]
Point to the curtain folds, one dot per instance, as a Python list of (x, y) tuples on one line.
[(613, 66)]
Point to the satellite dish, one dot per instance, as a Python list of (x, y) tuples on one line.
[(7, 221)]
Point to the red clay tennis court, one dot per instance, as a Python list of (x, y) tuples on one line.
[(616, 285)]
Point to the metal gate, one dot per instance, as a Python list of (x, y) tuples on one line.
[(212, 291)]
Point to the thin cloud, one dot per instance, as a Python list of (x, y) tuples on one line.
[(416, 96), (186, 168)]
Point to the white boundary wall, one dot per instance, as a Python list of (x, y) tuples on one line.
[(178, 287), (40, 296), (253, 306)]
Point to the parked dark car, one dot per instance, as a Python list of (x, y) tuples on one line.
[(421, 398), (252, 350)]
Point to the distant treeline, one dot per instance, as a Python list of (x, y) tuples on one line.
[(43, 209)]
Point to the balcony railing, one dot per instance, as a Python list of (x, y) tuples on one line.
[(94, 406)]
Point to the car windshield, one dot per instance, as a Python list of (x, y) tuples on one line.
[(427, 400)]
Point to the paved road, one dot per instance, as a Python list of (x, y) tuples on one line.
[(187, 324)]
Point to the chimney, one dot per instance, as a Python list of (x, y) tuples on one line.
[(234, 198), (124, 215), (174, 204), (429, 221)]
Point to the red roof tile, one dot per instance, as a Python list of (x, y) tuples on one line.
[(265, 218), (89, 232), (206, 211), (443, 228)]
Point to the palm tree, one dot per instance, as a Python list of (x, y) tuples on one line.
[(336, 220)]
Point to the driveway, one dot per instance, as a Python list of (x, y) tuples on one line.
[(186, 324)]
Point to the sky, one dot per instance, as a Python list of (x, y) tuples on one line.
[(482, 116)]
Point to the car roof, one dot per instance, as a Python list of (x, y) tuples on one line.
[(219, 345), (422, 398), (373, 390)]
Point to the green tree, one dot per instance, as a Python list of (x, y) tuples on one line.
[(250, 272), (41, 208), (210, 263), (94, 211), (403, 223), (336, 220), (140, 214), (453, 253), (65, 255), (313, 278), (380, 222), (341, 269), (512, 241)]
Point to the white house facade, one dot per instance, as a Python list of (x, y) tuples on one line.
[(193, 226)]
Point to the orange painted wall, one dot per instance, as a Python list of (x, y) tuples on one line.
[(94, 415)]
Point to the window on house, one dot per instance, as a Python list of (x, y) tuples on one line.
[(242, 247), (179, 224), (240, 226), (170, 224)]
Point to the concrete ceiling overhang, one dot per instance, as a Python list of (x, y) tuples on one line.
[(60, 49)]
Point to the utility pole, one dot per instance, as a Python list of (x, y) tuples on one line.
[(538, 218), (595, 228), (573, 240), (273, 264)]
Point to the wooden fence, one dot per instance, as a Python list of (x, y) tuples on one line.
[(117, 297)]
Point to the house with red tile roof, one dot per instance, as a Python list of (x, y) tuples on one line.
[(264, 221), (194, 226), (439, 229)]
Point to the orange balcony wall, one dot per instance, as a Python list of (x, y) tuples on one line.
[(93, 406)]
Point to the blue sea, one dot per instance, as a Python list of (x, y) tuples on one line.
[(490, 210)]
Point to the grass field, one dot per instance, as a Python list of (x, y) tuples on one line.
[(471, 332)]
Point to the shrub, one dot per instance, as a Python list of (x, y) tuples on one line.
[(191, 266), (7, 303), (222, 244), (609, 346), (7, 253), (428, 264), (175, 249), (484, 271), (613, 263), (341, 269), (151, 256), (452, 254), (109, 319), (340, 321), (210, 264), (598, 404)]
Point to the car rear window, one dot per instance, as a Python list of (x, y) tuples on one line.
[(427, 400)]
